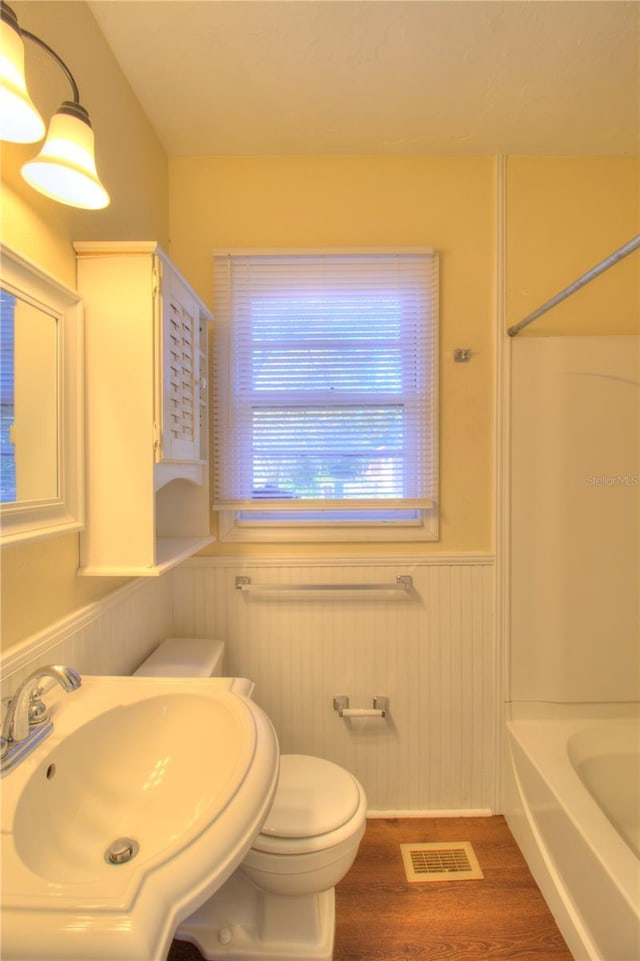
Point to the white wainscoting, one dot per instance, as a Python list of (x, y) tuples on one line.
[(433, 653), (110, 636)]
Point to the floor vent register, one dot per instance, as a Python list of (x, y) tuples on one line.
[(440, 861)]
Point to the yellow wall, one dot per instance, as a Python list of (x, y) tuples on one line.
[(564, 216), (444, 202), (39, 583), (561, 216)]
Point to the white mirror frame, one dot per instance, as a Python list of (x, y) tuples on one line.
[(29, 520)]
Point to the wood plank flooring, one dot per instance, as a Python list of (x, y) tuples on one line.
[(380, 916)]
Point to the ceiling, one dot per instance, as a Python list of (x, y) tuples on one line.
[(382, 76)]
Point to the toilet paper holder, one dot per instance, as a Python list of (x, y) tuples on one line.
[(379, 709)]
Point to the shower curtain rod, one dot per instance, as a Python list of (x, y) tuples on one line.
[(580, 282)]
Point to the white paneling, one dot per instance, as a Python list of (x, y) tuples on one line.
[(432, 653), (111, 636)]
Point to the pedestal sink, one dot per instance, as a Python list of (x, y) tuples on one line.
[(138, 806)]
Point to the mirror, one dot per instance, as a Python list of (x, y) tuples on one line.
[(28, 401), (41, 424)]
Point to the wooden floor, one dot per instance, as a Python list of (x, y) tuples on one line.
[(380, 916)]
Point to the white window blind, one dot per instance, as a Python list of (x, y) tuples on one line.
[(327, 386)]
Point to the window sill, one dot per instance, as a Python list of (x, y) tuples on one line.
[(426, 528)]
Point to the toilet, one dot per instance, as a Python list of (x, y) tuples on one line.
[(279, 905)]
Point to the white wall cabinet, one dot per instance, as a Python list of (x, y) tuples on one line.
[(147, 411)]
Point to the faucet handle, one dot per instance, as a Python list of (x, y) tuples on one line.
[(38, 710)]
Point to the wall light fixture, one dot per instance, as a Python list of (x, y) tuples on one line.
[(65, 168)]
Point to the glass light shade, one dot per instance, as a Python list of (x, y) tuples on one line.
[(20, 122), (65, 168)]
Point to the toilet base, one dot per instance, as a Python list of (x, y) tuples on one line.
[(243, 923)]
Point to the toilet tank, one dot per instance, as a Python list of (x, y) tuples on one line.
[(184, 657)]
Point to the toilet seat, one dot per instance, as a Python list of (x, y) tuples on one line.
[(314, 807)]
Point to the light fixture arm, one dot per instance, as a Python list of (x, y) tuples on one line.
[(58, 59), (7, 14)]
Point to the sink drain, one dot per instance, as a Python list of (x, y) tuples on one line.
[(121, 850)]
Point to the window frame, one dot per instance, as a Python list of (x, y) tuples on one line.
[(233, 523)]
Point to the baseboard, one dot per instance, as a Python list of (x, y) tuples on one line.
[(447, 813)]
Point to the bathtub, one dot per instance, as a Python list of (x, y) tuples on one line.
[(572, 803)]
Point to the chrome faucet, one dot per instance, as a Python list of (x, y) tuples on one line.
[(27, 714)]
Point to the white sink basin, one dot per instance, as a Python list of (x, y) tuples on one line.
[(183, 768)]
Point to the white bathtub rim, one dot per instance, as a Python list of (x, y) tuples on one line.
[(523, 826), (618, 861), (570, 710), (589, 935)]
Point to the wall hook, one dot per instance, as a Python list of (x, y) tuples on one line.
[(462, 354)]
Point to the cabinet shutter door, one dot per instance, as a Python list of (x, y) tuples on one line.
[(180, 429)]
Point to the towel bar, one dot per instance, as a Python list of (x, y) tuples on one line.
[(403, 582)]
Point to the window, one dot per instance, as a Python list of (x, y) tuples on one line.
[(326, 401)]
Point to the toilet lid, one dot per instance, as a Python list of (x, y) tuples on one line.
[(314, 796)]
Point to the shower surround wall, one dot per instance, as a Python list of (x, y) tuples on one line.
[(575, 520), (575, 657)]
